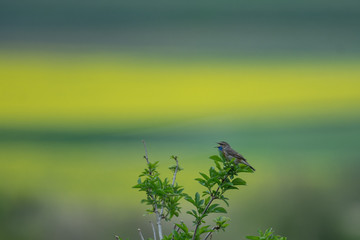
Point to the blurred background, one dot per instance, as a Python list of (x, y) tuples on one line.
[(83, 82)]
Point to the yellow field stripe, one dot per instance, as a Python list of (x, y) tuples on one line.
[(38, 88)]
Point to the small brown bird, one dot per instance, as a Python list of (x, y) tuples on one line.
[(230, 153)]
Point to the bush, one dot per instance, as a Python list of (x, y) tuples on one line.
[(163, 197)]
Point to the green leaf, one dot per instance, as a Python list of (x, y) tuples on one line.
[(252, 238), (191, 213), (228, 184), (207, 200), (225, 200), (215, 158), (204, 229), (205, 193), (183, 227), (213, 172), (244, 168), (212, 207), (160, 192), (238, 181), (222, 156), (201, 181), (197, 197), (220, 210), (204, 176), (173, 167), (268, 232), (218, 165), (189, 199)]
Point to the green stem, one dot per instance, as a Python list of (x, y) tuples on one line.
[(207, 206)]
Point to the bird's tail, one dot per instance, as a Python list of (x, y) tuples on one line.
[(252, 168), (243, 161)]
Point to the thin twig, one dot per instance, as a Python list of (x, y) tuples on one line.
[(203, 213), (209, 233), (173, 183), (146, 153), (153, 228), (173, 231), (158, 214), (181, 221), (178, 228), (158, 217), (162, 208), (207, 206), (176, 169), (141, 235)]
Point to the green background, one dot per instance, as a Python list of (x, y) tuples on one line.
[(83, 82)]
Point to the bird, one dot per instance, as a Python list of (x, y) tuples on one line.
[(230, 153)]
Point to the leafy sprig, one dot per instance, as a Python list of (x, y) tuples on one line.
[(217, 182), (267, 235)]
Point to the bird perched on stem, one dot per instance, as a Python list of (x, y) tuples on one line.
[(230, 153)]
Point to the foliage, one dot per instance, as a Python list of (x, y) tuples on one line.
[(220, 179), (163, 196), (267, 235), (160, 194)]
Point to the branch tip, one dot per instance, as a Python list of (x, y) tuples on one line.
[(176, 169), (146, 153), (141, 235), (153, 229)]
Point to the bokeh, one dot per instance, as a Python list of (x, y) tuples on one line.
[(83, 82)]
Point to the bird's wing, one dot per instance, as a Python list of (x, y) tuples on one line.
[(240, 156), (234, 154)]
